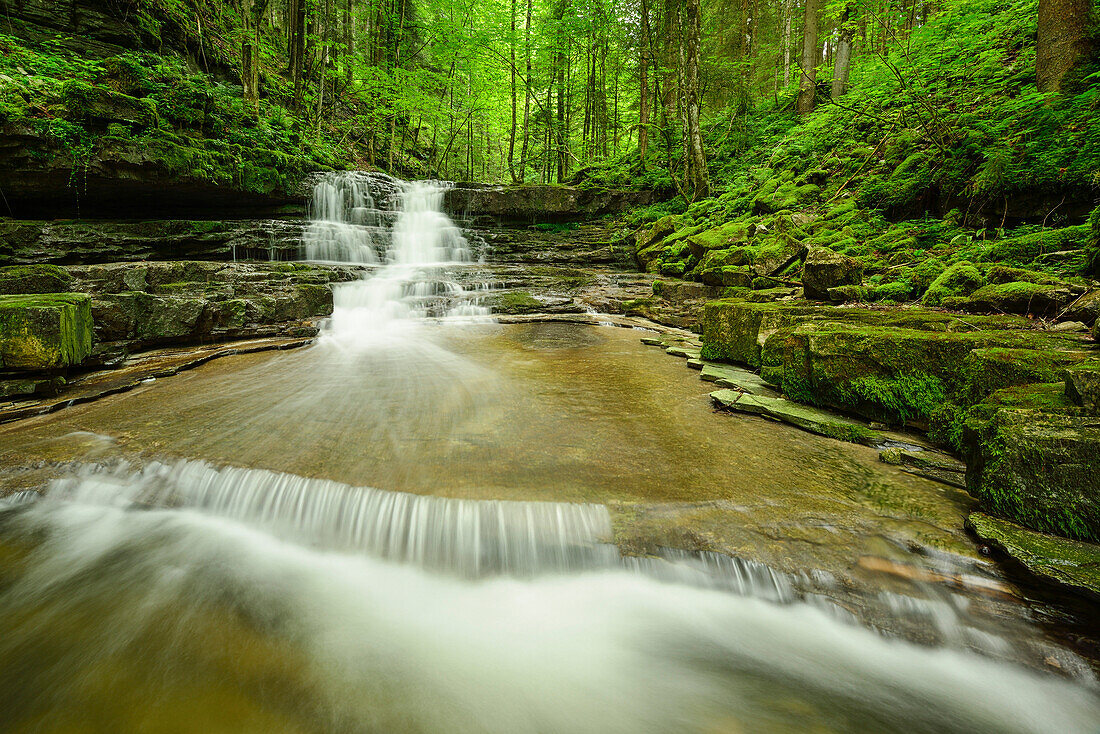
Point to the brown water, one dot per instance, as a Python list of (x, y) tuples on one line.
[(216, 626)]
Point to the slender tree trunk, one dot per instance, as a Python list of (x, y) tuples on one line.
[(695, 163), (807, 85), (788, 11), (515, 101), (526, 94), (646, 48), (843, 55), (559, 68), (1062, 42)]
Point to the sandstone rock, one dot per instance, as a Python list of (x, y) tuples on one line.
[(541, 203), (44, 331), (34, 279), (825, 269), (1020, 297), (802, 416), (1068, 562), (1083, 384), (728, 276), (1041, 470)]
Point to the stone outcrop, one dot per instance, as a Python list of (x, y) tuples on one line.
[(44, 331), (1039, 469), (96, 241), (535, 203), (825, 269), (1067, 562), (123, 177), (136, 305)]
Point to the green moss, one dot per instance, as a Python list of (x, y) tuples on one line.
[(44, 331), (34, 279), (1025, 248), (961, 279)]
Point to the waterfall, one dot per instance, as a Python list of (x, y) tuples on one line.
[(416, 252), (469, 538)]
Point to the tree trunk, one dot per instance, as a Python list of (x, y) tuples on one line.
[(788, 11), (1062, 41), (807, 85), (645, 47), (843, 55), (526, 94), (695, 164), (515, 103)]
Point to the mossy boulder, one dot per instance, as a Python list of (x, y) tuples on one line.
[(44, 331), (735, 331), (647, 237), (887, 374), (1083, 384), (825, 269), (728, 276), (1020, 297), (961, 279), (787, 195), (1038, 469), (722, 258), (776, 253), (34, 279), (1024, 249), (730, 234)]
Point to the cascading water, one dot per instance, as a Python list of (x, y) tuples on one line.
[(415, 245), (180, 595)]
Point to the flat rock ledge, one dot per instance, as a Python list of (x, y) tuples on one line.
[(1071, 563)]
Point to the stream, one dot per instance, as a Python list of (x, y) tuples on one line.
[(430, 521)]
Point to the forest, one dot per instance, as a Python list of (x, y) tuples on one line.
[(681, 96)]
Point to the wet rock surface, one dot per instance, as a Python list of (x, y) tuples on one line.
[(1072, 563)]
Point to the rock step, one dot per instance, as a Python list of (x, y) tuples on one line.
[(684, 351), (735, 378), (926, 463), (1073, 563), (798, 415)]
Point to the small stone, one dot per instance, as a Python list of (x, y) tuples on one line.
[(891, 455), (877, 426), (1069, 326)]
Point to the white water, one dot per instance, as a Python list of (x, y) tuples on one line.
[(415, 244), (137, 609)]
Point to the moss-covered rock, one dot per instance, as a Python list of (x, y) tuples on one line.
[(729, 276), (1019, 297), (86, 101), (989, 369), (730, 234), (34, 279), (850, 293), (961, 279), (1024, 249), (825, 269), (1041, 470), (1069, 562), (776, 253), (647, 237), (44, 331), (1083, 385)]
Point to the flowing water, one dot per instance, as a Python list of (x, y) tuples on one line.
[(411, 526)]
